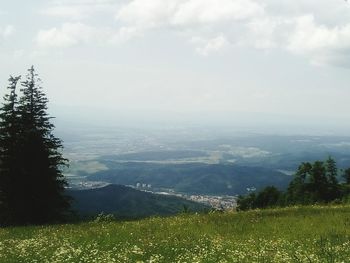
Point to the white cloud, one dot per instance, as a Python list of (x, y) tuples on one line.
[(317, 30), (78, 9), (266, 32), (201, 18), (7, 31), (208, 46), (73, 12), (18, 54), (69, 34), (147, 14), (86, 2), (320, 43), (154, 13), (214, 11), (73, 34), (250, 23), (123, 34)]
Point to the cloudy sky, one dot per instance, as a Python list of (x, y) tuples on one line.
[(289, 58)]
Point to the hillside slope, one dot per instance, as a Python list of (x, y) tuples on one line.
[(196, 178), (127, 202), (299, 234)]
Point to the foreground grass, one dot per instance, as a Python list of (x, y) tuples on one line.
[(299, 234)]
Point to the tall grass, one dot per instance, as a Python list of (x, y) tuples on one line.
[(297, 234)]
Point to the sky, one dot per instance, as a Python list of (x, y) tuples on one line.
[(289, 59)]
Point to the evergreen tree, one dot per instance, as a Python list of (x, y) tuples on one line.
[(246, 202), (333, 190), (318, 182), (332, 171), (8, 149), (41, 158), (347, 176), (314, 182), (298, 189), (36, 183), (268, 197)]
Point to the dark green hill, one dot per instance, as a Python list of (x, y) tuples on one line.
[(127, 202), (196, 178)]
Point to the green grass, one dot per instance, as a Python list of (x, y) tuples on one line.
[(298, 234)]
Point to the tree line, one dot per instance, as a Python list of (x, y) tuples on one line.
[(31, 181), (315, 182)]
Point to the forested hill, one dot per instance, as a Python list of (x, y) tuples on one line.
[(194, 178), (125, 202)]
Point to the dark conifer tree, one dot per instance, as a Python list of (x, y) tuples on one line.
[(314, 182), (332, 171), (346, 176), (8, 148), (298, 189), (40, 157), (318, 186), (333, 190), (37, 184)]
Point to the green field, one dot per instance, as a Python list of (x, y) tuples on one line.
[(298, 234)]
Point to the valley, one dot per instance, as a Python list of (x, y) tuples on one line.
[(197, 165)]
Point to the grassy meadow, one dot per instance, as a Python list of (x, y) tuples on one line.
[(297, 234)]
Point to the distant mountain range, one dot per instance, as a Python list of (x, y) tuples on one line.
[(192, 178), (126, 202)]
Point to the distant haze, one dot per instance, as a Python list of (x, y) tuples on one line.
[(219, 123), (280, 66)]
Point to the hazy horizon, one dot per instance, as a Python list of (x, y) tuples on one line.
[(221, 122), (275, 66)]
